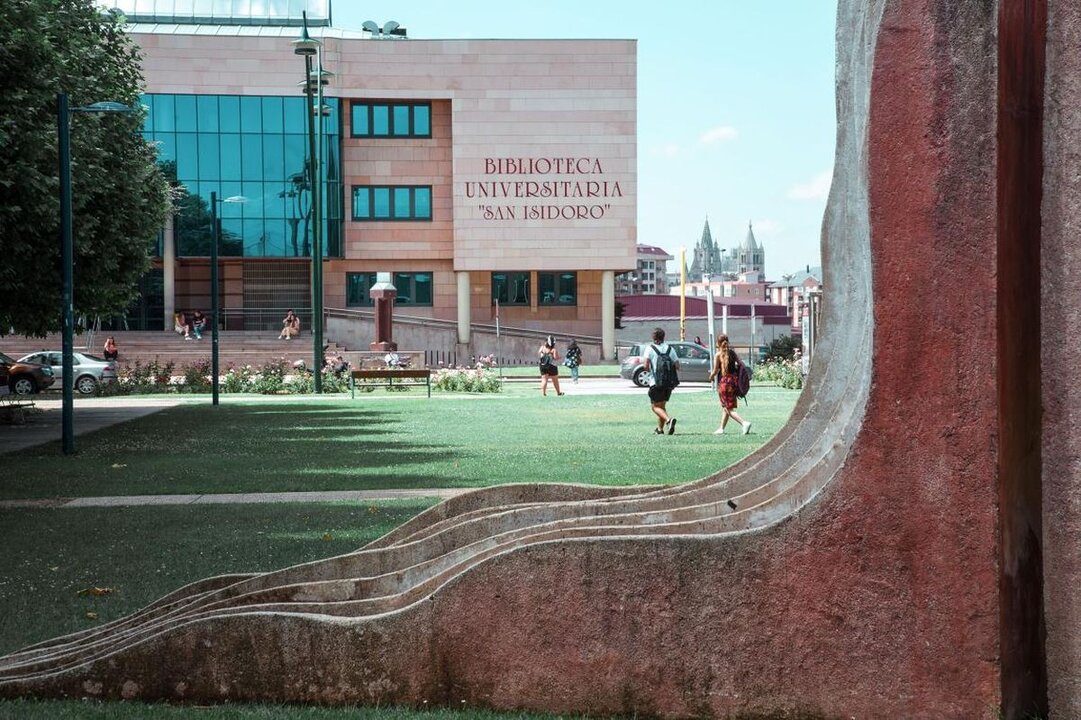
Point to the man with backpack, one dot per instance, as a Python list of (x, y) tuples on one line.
[(663, 363)]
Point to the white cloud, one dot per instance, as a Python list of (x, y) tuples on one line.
[(718, 134), (817, 188), (669, 150)]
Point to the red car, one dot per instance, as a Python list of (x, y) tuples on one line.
[(24, 378)]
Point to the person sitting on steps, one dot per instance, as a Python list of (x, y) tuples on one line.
[(290, 326), (198, 324), (181, 325)]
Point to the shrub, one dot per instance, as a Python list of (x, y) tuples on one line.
[(786, 373), (197, 378), (463, 380), (782, 348)]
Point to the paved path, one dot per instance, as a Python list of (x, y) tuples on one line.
[(236, 498), (95, 413)]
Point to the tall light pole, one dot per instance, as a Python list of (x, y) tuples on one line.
[(314, 80), (67, 242), (214, 242), (707, 278)]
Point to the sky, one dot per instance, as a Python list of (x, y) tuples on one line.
[(735, 106)]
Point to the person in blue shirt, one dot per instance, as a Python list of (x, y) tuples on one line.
[(658, 394)]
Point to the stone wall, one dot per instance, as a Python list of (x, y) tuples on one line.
[(1061, 371)]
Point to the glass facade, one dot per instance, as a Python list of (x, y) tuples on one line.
[(414, 288), (250, 146)]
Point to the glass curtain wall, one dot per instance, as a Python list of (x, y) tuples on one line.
[(251, 146)]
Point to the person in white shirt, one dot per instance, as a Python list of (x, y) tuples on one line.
[(661, 392)]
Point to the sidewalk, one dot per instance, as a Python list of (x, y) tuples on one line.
[(235, 498)]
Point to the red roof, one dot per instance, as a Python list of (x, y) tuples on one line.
[(637, 307), (652, 250)]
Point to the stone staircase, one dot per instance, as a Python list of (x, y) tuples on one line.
[(235, 347)]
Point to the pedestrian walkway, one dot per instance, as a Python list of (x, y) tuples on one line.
[(93, 413), (237, 498)]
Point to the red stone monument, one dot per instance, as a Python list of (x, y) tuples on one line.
[(888, 554), (383, 294)]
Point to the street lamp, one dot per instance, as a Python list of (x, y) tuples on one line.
[(314, 80), (214, 242), (63, 122)]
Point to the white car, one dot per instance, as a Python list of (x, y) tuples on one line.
[(90, 371)]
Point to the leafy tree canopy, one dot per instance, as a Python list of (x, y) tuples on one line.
[(782, 348), (120, 197)]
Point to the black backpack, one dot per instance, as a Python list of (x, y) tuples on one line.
[(743, 383), (664, 374)]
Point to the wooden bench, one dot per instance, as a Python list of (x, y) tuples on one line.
[(389, 375), (13, 408)]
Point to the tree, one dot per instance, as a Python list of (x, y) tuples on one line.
[(782, 348), (119, 196)]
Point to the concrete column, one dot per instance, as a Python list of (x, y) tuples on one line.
[(168, 261), (464, 301), (608, 315)]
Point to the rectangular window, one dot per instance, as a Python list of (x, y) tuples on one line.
[(510, 288), (357, 289), (414, 288), (396, 120), (557, 288), (402, 202)]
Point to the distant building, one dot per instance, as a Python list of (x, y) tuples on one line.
[(709, 258), (792, 291), (651, 275)]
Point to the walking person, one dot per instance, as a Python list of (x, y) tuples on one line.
[(549, 370), (663, 365), (573, 359), (726, 367)]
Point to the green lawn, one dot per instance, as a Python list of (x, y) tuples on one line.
[(380, 440), (51, 554), (396, 440)]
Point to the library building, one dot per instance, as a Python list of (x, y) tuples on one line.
[(486, 176)]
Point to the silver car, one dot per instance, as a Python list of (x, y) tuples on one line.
[(694, 363), (90, 370)]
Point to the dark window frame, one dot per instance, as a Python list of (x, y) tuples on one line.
[(410, 292), (391, 133), (510, 273), (371, 216), (558, 289)]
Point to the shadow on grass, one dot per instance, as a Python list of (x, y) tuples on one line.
[(237, 448)]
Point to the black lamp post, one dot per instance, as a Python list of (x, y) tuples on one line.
[(214, 242), (63, 122), (314, 80)]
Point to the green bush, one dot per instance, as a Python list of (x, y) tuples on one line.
[(786, 373), (782, 348), (463, 380)]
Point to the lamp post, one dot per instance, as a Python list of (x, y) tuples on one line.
[(67, 241), (214, 242), (314, 80), (707, 278)]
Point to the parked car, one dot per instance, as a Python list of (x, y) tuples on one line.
[(24, 378), (90, 370), (694, 363)]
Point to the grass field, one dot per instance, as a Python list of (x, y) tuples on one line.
[(380, 440), (391, 440)]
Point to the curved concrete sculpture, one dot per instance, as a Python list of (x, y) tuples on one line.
[(848, 568)]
